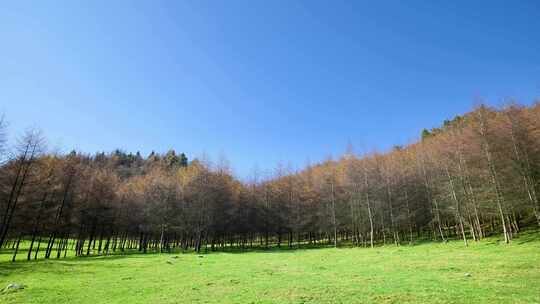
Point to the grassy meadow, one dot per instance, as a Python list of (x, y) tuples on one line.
[(487, 272)]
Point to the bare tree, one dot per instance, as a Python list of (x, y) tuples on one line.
[(28, 150), (483, 129)]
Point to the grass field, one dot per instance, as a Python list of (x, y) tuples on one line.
[(424, 273)]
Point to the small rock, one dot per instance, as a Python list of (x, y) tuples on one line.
[(13, 287), (468, 274)]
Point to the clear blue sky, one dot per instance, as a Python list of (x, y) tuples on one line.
[(260, 81)]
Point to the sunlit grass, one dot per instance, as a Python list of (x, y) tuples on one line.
[(426, 273)]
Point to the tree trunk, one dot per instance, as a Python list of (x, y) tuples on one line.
[(368, 202), (459, 216), (334, 212)]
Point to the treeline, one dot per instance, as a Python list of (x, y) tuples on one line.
[(477, 175)]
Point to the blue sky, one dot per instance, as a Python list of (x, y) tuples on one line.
[(261, 82)]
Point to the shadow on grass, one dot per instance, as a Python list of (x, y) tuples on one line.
[(526, 236)]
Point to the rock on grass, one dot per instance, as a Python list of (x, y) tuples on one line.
[(13, 287)]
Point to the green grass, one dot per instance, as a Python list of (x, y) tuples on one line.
[(425, 273)]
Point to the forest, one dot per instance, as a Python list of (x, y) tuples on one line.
[(475, 176)]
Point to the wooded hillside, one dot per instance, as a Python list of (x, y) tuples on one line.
[(476, 175)]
